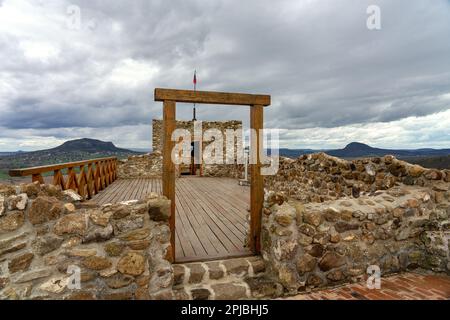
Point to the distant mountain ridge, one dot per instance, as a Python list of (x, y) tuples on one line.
[(358, 149), (87, 145), (69, 151)]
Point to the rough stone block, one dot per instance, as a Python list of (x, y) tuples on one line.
[(132, 264), (73, 223), (44, 209), (178, 274), (262, 287), (229, 291), (196, 272), (200, 294), (96, 263), (215, 270), (21, 262), (12, 221), (236, 266)]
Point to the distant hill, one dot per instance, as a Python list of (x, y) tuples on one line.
[(73, 150), (427, 157), (87, 145), (357, 149)]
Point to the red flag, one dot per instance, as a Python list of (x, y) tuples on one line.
[(195, 77)]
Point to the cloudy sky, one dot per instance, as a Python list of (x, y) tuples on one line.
[(332, 80)]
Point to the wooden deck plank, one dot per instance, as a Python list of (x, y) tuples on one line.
[(210, 214), (105, 197), (226, 195), (217, 226), (230, 185), (129, 192), (188, 248), (190, 231), (178, 247), (220, 213), (197, 217), (235, 217)]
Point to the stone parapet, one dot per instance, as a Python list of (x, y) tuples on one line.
[(319, 177), (315, 245), (50, 243)]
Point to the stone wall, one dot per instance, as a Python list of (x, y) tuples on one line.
[(314, 245), (150, 165), (122, 250), (216, 170), (141, 166), (157, 129), (320, 177)]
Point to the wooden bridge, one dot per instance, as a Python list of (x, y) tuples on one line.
[(210, 212)]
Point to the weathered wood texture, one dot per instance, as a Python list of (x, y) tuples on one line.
[(257, 180), (210, 214), (210, 97), (87, 177), (168, 182)]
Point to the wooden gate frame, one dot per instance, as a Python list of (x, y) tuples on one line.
[(170, 97)]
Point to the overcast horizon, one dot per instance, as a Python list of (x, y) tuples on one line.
[(332, 80)]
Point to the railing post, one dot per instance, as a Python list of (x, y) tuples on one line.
[(97, 183), (90, 188), (168, 178), (37, 177), (81, 182)]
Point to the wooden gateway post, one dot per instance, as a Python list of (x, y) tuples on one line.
[(170, 97)]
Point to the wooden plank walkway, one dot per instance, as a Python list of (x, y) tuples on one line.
[(210, 214)]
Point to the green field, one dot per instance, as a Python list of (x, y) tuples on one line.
[(3, 175)]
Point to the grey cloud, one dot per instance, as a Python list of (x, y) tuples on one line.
[(317, 59)]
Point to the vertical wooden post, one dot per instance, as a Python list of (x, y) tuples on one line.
[(37, 177), (168, 177), (256, 179)]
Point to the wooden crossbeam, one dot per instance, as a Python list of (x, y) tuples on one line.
[(211, 97)]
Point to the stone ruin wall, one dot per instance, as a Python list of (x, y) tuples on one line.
[(326, 220), (122, 250), (142, 166), (150, 165), (319, 177)]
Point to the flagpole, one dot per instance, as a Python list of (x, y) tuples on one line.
[(195, 89)]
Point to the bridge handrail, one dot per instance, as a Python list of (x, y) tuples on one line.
[(100, 173)]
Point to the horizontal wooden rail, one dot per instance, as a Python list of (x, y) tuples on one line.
[(211, 97), (93, 176)]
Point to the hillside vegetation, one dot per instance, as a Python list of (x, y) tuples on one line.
[(69, 151)]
